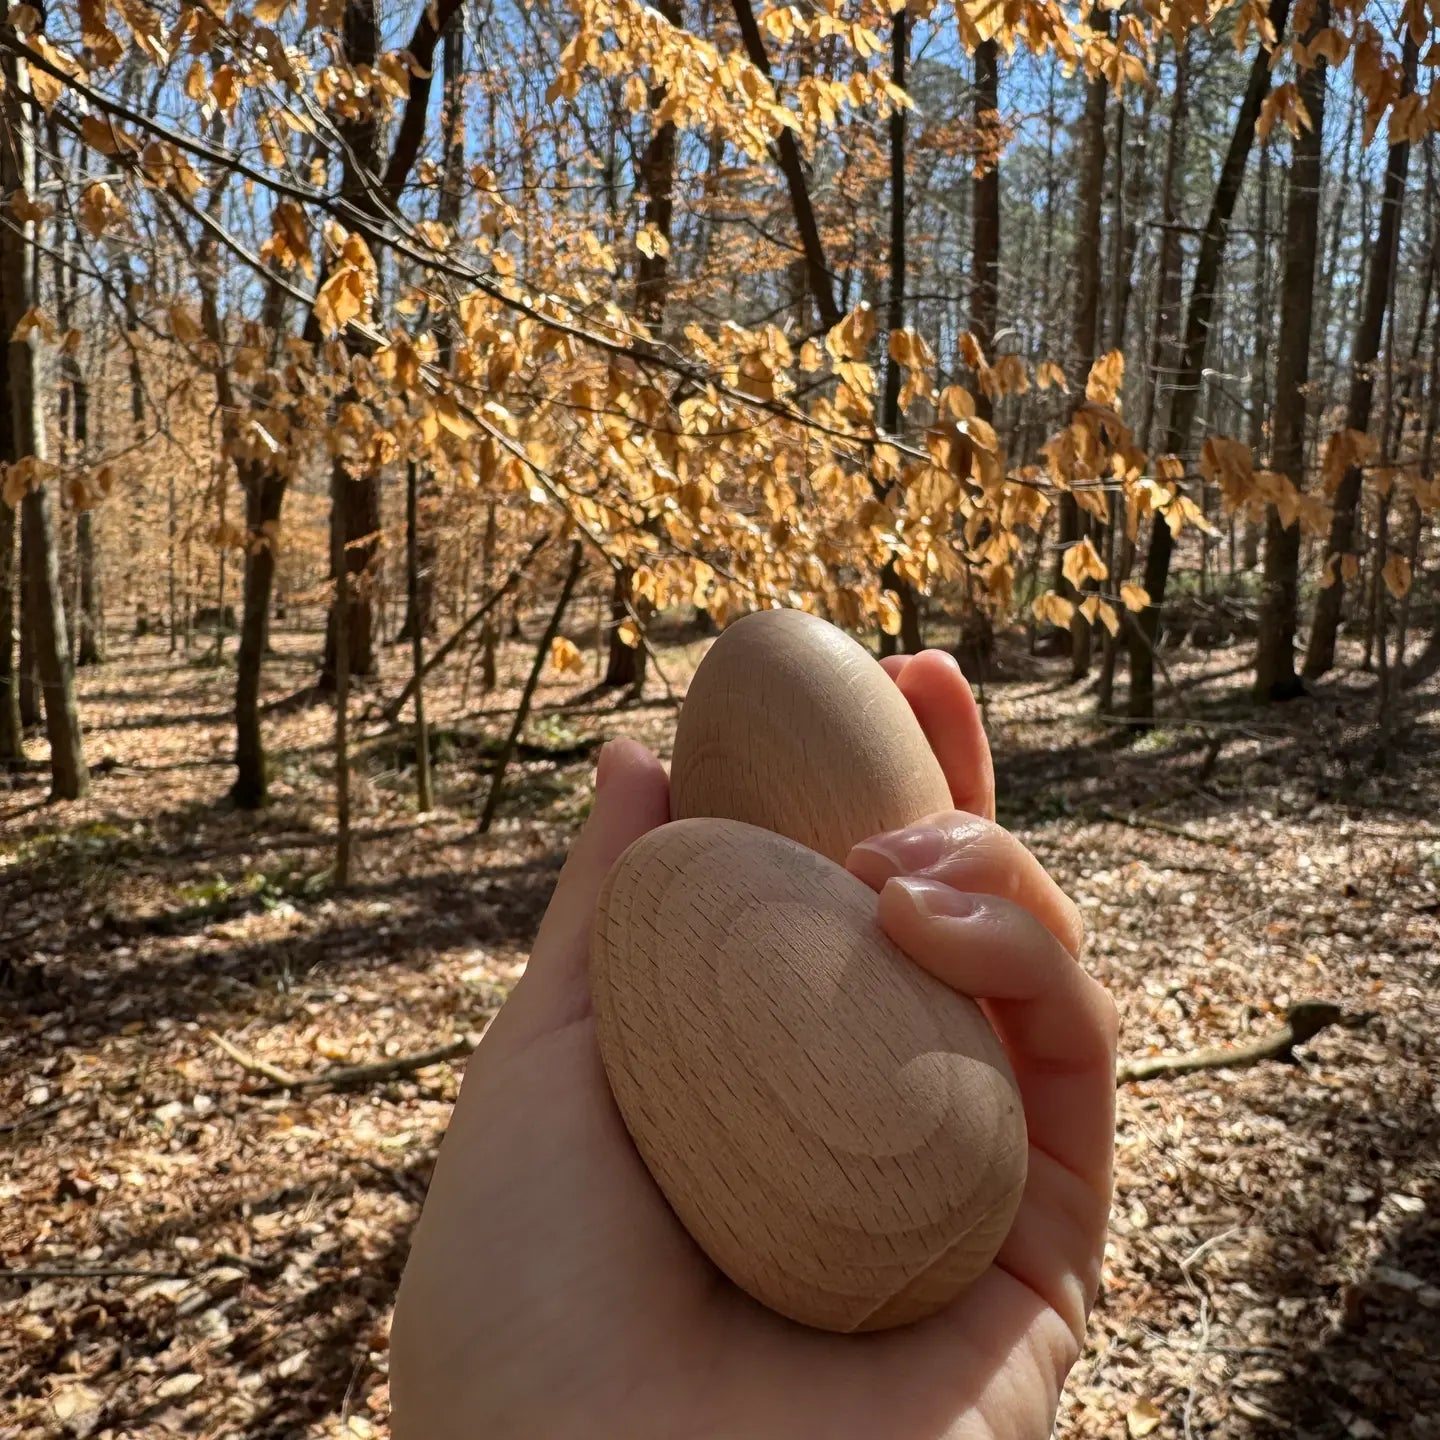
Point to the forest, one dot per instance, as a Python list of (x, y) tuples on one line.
[(396, 400)]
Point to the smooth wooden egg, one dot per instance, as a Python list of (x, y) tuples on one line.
[(838, 1130), (791, 725)]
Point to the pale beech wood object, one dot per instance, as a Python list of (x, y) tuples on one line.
[(838, 1130), (790, 724)]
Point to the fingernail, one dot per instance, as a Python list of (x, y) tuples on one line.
[(899, 852), (604, 765), (931, 899)]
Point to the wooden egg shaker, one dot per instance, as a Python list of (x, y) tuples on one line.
[(838, 1130)]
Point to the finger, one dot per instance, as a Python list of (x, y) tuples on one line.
[(1057, 1024), (944, 705), (893, 665), (974, 855), (632, 796)]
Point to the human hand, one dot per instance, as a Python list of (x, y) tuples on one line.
[(551, 1292)]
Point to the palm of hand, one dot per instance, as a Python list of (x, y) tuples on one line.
[(552, 1291)]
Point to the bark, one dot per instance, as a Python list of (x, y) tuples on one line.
[(908, 639), (420, 589), (1275, 677), (626, 664), (817, 272), (86, 635), (1164, 345), (1259, 395), (1185, 398), (69, 778), (12, 746), (985, 219), (424, 798), (355, 505), (340, 622), (264, 495), (1075, 524), (1320, 653)]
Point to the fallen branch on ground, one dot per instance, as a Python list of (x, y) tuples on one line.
[(1303, 1021), (1162, 827), (340, 1077)]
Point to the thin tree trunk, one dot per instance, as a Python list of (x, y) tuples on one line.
[(1259, 396), (340, 623), (1320, 654), (1185, 398), (1275, 677), (522, 711), (1163, 356), (12, 735), (424, 798), (356, 513), (1074, 524), (985, 218), (420, 605), (909, 639), (18, 281), (264, 494)]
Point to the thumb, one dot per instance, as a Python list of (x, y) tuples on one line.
[(632, 796)]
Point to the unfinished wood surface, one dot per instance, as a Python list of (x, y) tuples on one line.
[(837, 1129), (790, 724)]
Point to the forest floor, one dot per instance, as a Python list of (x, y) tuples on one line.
[(185, 1252)]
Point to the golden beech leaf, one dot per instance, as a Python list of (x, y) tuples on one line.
[(565, 656), (1135, 597), (33, 319), (1350, 567), (1106, 376), (1053, 609), (27, 211), (184, 326), (1396, 575), (628, 634), (888, 612), (1082, 563), (1048, 373)]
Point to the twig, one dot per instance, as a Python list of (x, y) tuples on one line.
[(1303, 1021), (339, 1077), (96, 1272), (342, 1076), (391, 712), (1162, 827), (255, 1066), (41, 1112)]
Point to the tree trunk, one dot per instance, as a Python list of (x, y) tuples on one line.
[(1185, 398), (626, 664), (355, 515), (1320, 654), (1259, 392), (1074, 524), (908, 639), (264, 494), (355, 505), (424, 798), (1275, 677), (420, 610), (18, 257), (1163, 353), (340, 482), (12, 746), (985, 218)]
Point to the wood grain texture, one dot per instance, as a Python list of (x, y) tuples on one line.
[(791, 725), (837, 1129)]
